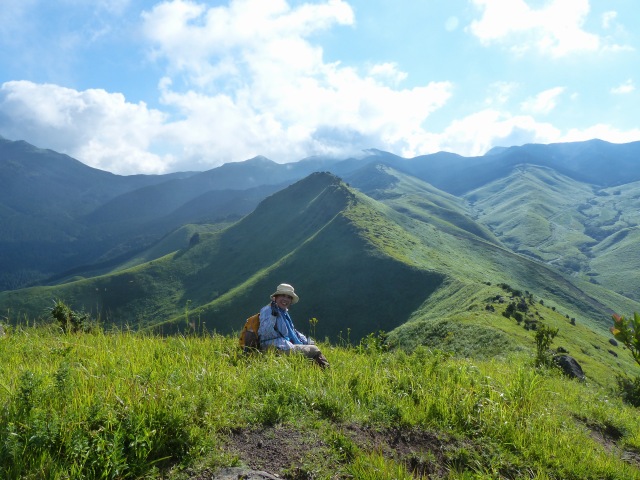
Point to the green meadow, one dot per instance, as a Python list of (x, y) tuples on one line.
[(123, 404)]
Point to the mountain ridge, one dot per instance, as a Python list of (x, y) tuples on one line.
[(387, 213), (293, 241)]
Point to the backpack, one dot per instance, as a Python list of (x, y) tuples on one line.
[(249, 335), (249, 340)]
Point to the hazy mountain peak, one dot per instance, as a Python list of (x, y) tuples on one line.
[(495, 151), (259, 159)]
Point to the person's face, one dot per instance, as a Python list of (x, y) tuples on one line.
[(283, 301)]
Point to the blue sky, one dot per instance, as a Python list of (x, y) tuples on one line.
[(148, 86)]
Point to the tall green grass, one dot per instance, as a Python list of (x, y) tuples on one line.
[(125, 405)]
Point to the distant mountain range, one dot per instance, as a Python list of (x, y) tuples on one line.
[(371, 243)]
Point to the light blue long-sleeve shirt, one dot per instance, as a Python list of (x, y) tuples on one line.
[(273, 330)]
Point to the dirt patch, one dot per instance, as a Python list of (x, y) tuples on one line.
[(423, 452), (609, 436), (276, 450), (295, 455)]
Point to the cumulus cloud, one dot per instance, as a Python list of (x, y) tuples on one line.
[(245, 80), (556, 29), (240, 80), (389, 72), (249, 77), (209, 44), (477, 133), (97, 127)]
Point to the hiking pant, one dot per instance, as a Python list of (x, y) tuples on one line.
[(309, 351)]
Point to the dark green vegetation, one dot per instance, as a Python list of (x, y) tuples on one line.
[(126, 405)]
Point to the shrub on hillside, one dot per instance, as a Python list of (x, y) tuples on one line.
[(629, 390), (627, 331), (544, 337), (69, 320)]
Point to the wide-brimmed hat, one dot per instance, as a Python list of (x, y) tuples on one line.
[(286, 289)]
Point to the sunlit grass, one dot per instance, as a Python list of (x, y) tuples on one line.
[(125, 405)]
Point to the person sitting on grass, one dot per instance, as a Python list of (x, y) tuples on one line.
[(277, 329)]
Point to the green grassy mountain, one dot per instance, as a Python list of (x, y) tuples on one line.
[(383, 249), (410, 262), (419, 200), (469, 248), (582, 230), (60, 216), (318, 234), (43, 197), (533, 210), (464, 315)]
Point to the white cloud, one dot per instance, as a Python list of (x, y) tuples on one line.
[(241, 80), (389, 72), (207, 44), (603, 132), (106, 132), (626, 87), (255, 84), (96, 127), (247, 78), (555, 29), (300, 118), (477, 133), (544, 102)]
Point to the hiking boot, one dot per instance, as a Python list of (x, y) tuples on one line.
[(321, 361)]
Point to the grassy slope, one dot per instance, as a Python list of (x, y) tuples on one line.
[(614, 217), (345, 254), (472, 257), (173, 241), (534, 210), (455, 318), (124, 405), (417, 199), (617, 264), (583, 231)]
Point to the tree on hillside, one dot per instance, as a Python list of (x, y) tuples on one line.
[(544, 336), (627, 331), (69, 320)]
